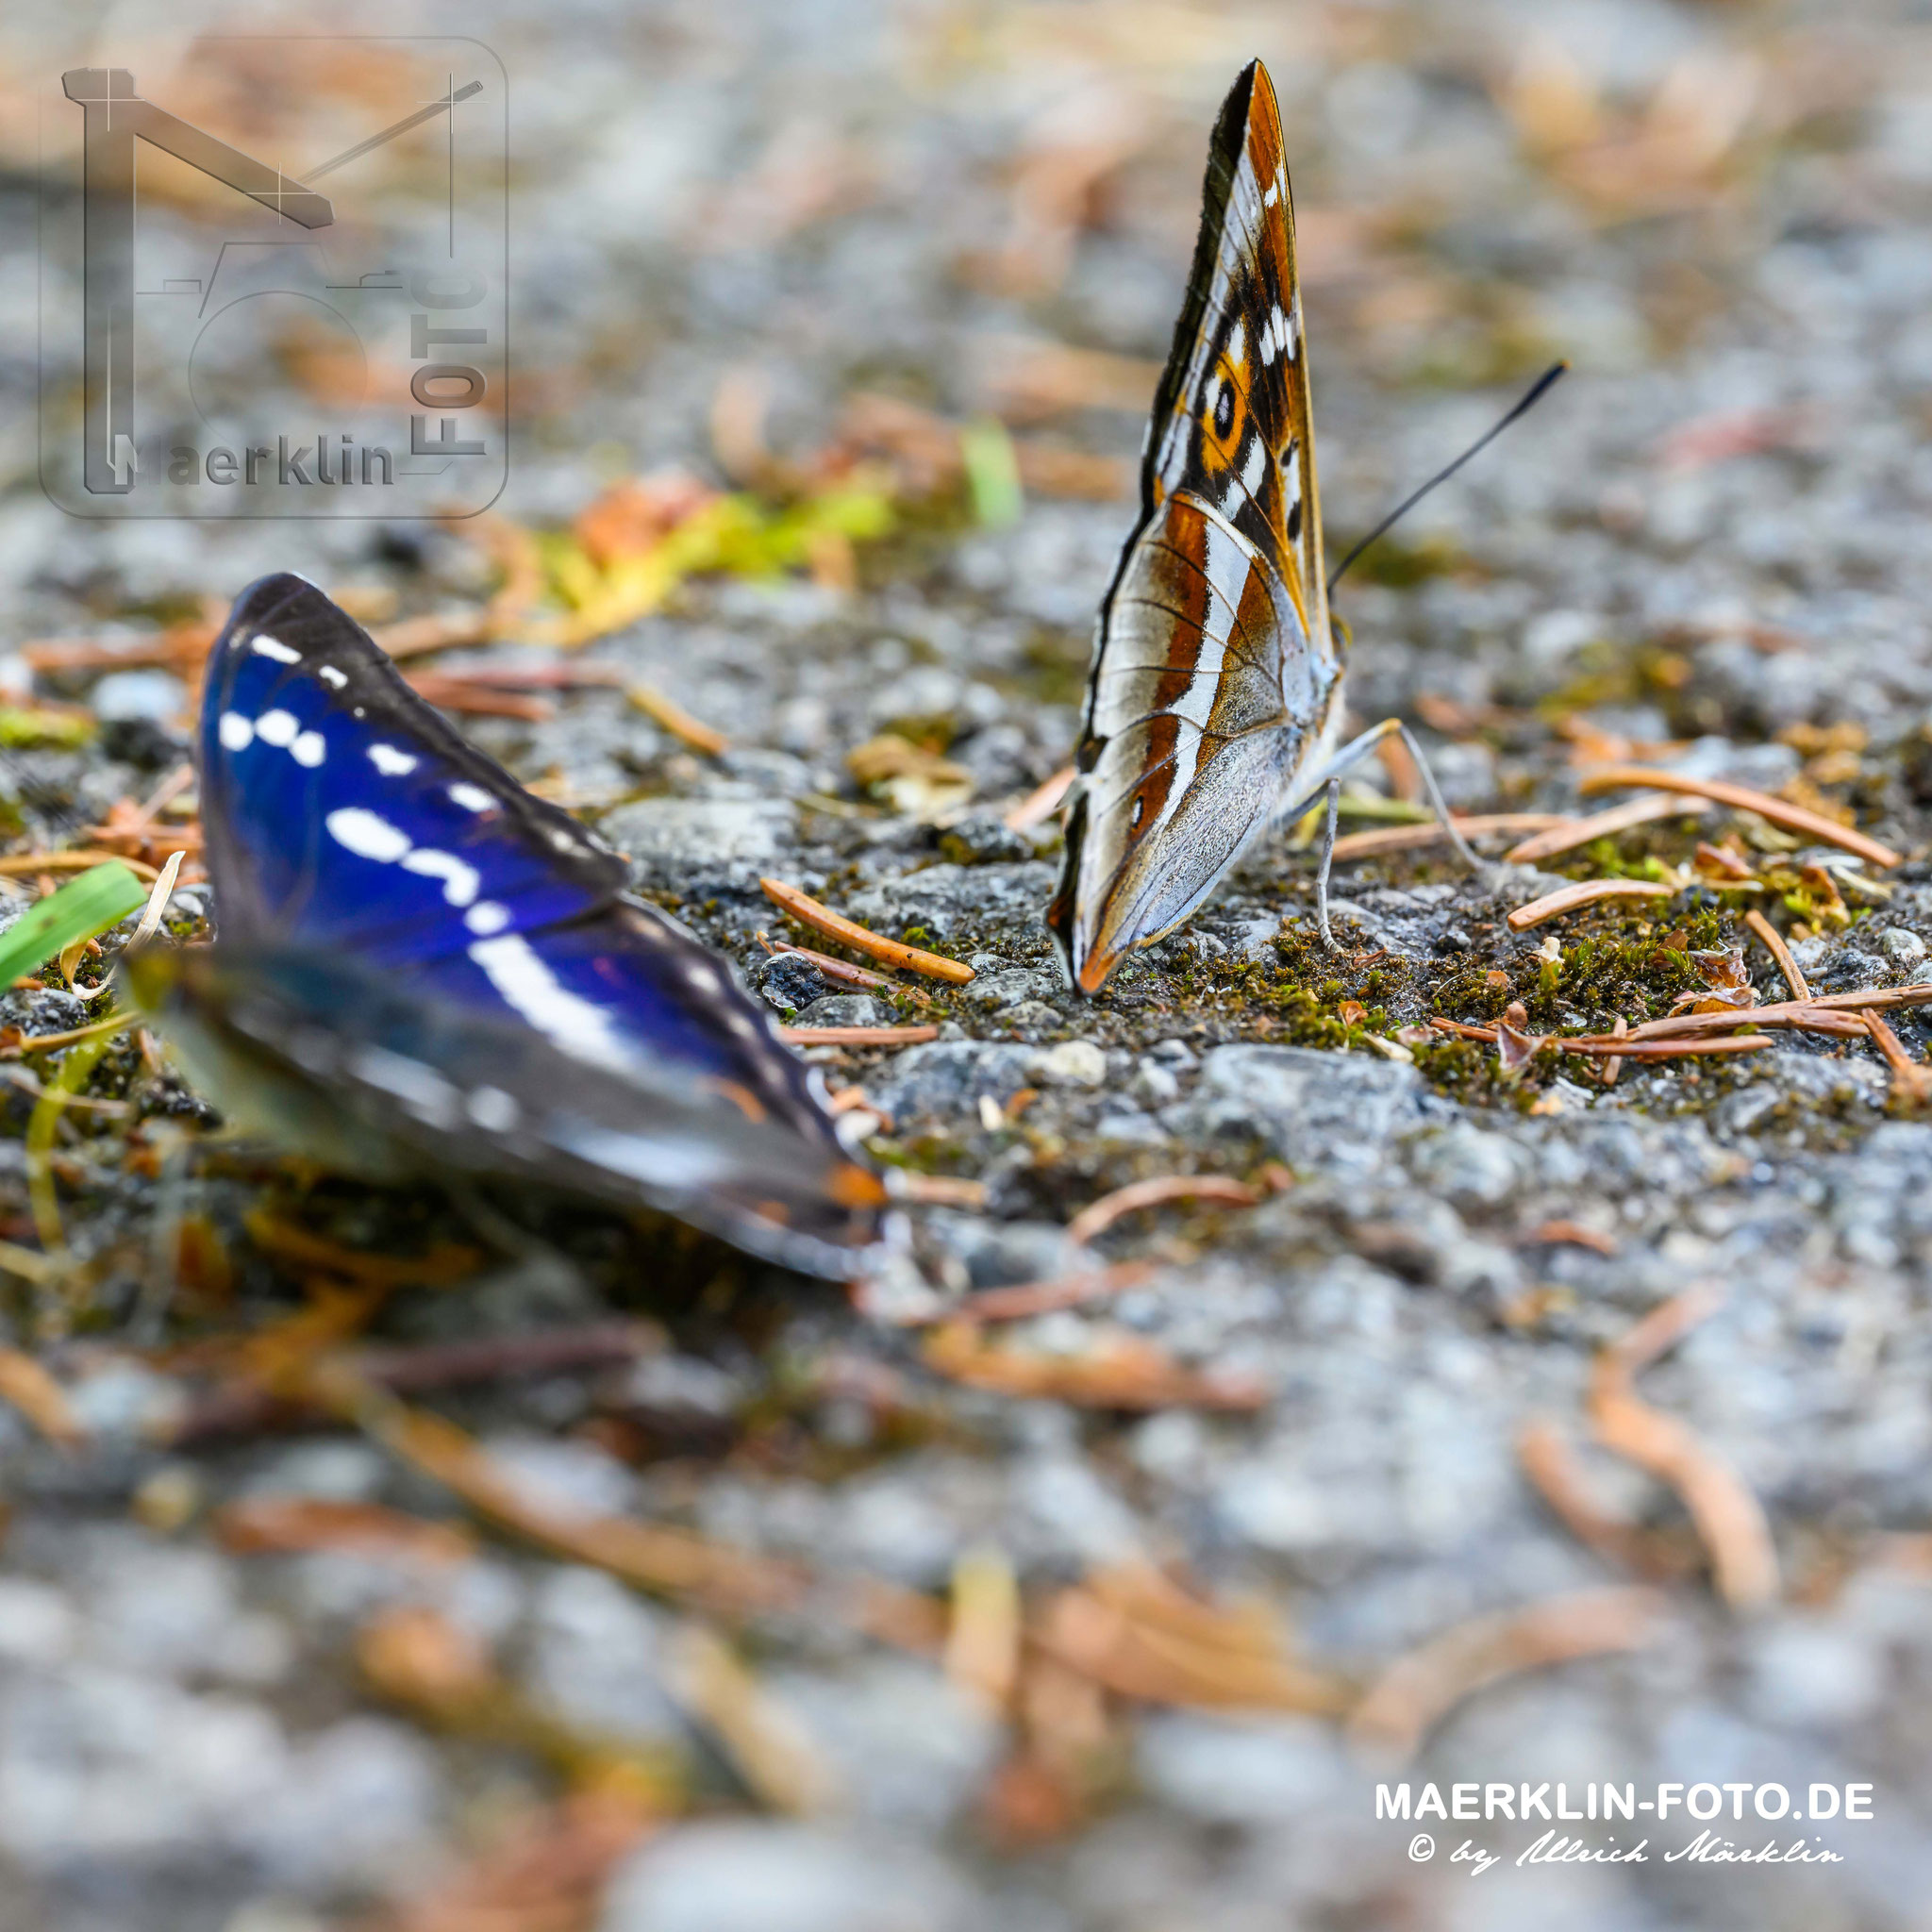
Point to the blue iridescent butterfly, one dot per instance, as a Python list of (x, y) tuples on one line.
[(423, 966)]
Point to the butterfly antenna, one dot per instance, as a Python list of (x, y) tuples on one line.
[(1540, 389)]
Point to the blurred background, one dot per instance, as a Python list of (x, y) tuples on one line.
[(833, 325)]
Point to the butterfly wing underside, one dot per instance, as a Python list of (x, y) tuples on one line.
[(349, 826), (1215, 674)]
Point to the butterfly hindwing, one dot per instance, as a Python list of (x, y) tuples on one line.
[(1215, 674), (362, 1072)]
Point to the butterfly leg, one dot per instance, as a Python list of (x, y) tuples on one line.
[(1327, 859), (1329, 780)]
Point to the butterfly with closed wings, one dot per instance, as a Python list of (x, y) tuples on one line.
[(421, 966), (1214, 705)]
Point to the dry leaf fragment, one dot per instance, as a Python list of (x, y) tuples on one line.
[(1912, 1081), (418, 1656), (1728, 1517), (1572, 833), (1795, 818), (1584, 892), (27, 1385), (1141, 1636), (634, 515), (1727, 862), (1097, 1216), (765, 1744), (1121, 1371), (1418, 1691), (821, 918), (1726, 984), (1772, 941), (983, 1644), (1516, 1048), (281, 1525), (909, 777)]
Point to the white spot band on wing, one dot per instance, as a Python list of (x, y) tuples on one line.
[(235, 731), (266, 646), (528, 985), (278, 729), (471, 797), (460, 881), (361, 831), (1257, 466), (390, 762)]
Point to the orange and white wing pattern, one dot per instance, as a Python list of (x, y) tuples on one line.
[(1216, 678)]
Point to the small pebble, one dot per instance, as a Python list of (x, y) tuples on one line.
[(843, 1009), (1074, 1063)]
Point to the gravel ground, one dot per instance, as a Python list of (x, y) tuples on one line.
[(1705, 546)]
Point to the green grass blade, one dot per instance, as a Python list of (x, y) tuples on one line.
[(992, 472), (84, 906)]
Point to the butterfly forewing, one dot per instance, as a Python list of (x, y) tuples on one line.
[(338, 804), (1215, 673), (628, 988)]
